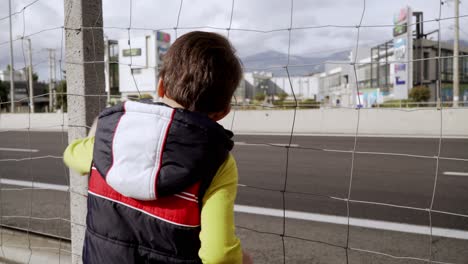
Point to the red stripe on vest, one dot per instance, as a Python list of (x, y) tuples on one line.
[(170, 208)]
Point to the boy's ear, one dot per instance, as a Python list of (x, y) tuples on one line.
[(220, 115), (161, 90)]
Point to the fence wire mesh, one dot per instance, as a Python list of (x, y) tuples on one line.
[(18, 209)]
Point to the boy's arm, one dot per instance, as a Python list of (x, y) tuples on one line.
[(219, 243), (79, 155)]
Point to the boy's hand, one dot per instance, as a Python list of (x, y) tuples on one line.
[(246, 258), (92, 130)]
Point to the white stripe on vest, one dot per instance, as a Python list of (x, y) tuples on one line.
[(137, 149)]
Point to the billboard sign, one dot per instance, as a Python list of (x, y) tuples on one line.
[(400, 29), (163, 41), (131, 52), (402, 53), (163, 37), (401, 16)]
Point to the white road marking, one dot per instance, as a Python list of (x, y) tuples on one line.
[(35, 185), (455, 173), (322, 218), (240, 143), (247, 144), (19, 150), (284, 145), (351, 135), (358, 222)]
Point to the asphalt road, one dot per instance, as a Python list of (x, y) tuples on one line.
[(399, 171), (399, 180)]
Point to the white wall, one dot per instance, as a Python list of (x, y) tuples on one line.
[(39, 121), (379, 122)]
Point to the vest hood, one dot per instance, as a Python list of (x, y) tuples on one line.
[(146, 151)]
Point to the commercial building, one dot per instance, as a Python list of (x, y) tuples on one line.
[(254, 83), (384, 72), (139, 61), (390, 70), (334, 85)]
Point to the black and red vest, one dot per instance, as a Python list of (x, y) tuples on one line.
[(152, 165)]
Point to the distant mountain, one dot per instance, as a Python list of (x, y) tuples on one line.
[(461, 42), (273, 61)]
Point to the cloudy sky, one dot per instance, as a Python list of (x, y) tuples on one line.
[(248, 15)]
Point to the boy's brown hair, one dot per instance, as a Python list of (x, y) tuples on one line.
[(201, 72)]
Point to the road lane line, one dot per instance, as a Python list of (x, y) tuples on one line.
[(349, 135), (455, 173), (36, 185), (323, 218), (240, 143), (19, 150), (358, 222), (249, 144), (284, 145)]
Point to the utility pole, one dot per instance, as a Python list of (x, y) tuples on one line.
[(456, 81), (51, 78), (12, 67), (31, 81), (54, 78)]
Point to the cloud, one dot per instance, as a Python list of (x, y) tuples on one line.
[(341, 17)]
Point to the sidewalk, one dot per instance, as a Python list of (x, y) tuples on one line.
[(21, 247)]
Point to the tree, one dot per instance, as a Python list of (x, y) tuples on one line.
[(146, 96), (35, 77), (61, 96), (420, 93), (260, 97), (282, 96), (4, 90)]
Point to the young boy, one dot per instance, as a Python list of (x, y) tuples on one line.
[(163, 182)]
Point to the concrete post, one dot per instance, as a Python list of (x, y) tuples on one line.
[(456, 80), (83, 44)]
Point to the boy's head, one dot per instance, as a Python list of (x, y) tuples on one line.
[(200, 72)]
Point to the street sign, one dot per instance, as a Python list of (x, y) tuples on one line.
[(402, 54)]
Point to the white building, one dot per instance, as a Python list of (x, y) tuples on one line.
[(335, 86), (139, 63), (304, 87), (18, 76), (252, 84)]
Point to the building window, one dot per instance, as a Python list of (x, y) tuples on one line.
[(464, 68)]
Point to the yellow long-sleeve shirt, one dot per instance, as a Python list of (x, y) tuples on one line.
[(219, 243)]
